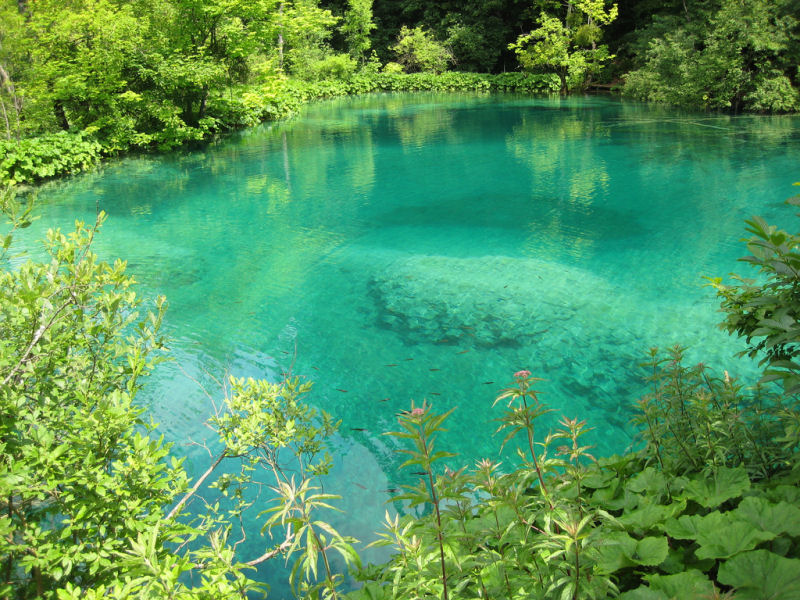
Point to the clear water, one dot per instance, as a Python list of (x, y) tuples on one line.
[(400, 247)]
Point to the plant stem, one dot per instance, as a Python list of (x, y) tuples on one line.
[(328, 575), (177, 508), (435, 501), (529, 429)]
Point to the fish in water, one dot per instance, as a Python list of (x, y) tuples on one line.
[(390, 365), (363, 487), (383, 400), (488, 382), (407, 359), (462, 352), (357, 429), (435, 394), (434, 369), (340, 390)]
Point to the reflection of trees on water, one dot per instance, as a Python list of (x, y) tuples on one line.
[(568, 176)]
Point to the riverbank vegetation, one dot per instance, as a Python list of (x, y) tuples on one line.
[(707, 506), (93, 78)]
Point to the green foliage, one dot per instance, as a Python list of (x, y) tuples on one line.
[(472, 49), (86, 488), (738, 55), (418, 51), (306, 29), (650, 524), (33, 159), (764, 311), (72, 354), (357, 27), (691, 419), (568, 46)]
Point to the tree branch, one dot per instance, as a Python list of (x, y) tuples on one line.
[(177, 508)]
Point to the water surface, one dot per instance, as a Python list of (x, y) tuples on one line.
[(399, 247)]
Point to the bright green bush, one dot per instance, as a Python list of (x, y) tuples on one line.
[(417, 50), (91, 504), (709, 503), (33, 159)]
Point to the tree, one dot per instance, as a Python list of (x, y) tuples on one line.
[(357, 27), (568, 45), (306, 31), (741, 55), (11, 65), (417, 51), (91, 504)]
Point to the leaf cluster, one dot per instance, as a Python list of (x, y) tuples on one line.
[(689, 515)]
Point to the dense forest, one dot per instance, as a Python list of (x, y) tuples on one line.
[(98, 77), (92, 503)]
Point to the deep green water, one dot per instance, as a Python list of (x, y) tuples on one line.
[(428, 246)]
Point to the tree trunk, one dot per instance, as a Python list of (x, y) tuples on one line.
[(61, 115), (201, 112), (280, 38)]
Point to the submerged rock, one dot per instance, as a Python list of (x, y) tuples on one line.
[(485, 301)]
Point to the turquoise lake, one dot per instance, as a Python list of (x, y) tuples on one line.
[(420, 246)]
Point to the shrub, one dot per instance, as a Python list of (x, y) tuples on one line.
[(708, 504), (417, 51), (33, 159)]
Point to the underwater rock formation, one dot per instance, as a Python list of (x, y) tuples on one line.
[(485, 301)]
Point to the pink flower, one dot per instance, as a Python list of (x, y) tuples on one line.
[(523, 373), (417, 412)]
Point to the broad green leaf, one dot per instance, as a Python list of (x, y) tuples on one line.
[(690, 527), (713, 491), (689, 584), (643, 593), (735, 537), (649, 480), (763, 515), (718, 535), (647, 516), (762, 575), (619, 550)]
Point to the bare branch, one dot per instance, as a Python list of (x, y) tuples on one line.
[(177, 508)]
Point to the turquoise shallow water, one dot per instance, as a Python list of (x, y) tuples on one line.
[(428, 246)]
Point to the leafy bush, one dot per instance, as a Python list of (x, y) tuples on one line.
[(393, 68), (773, 93), (418, 51), (735, 57), (33, 159), (765, 311), (708, 504), (91, 504), (335, 66)]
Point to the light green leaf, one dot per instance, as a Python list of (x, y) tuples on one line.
[(689, 584), (620, 550), (776, 518), (713, 491), (762, 575)]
